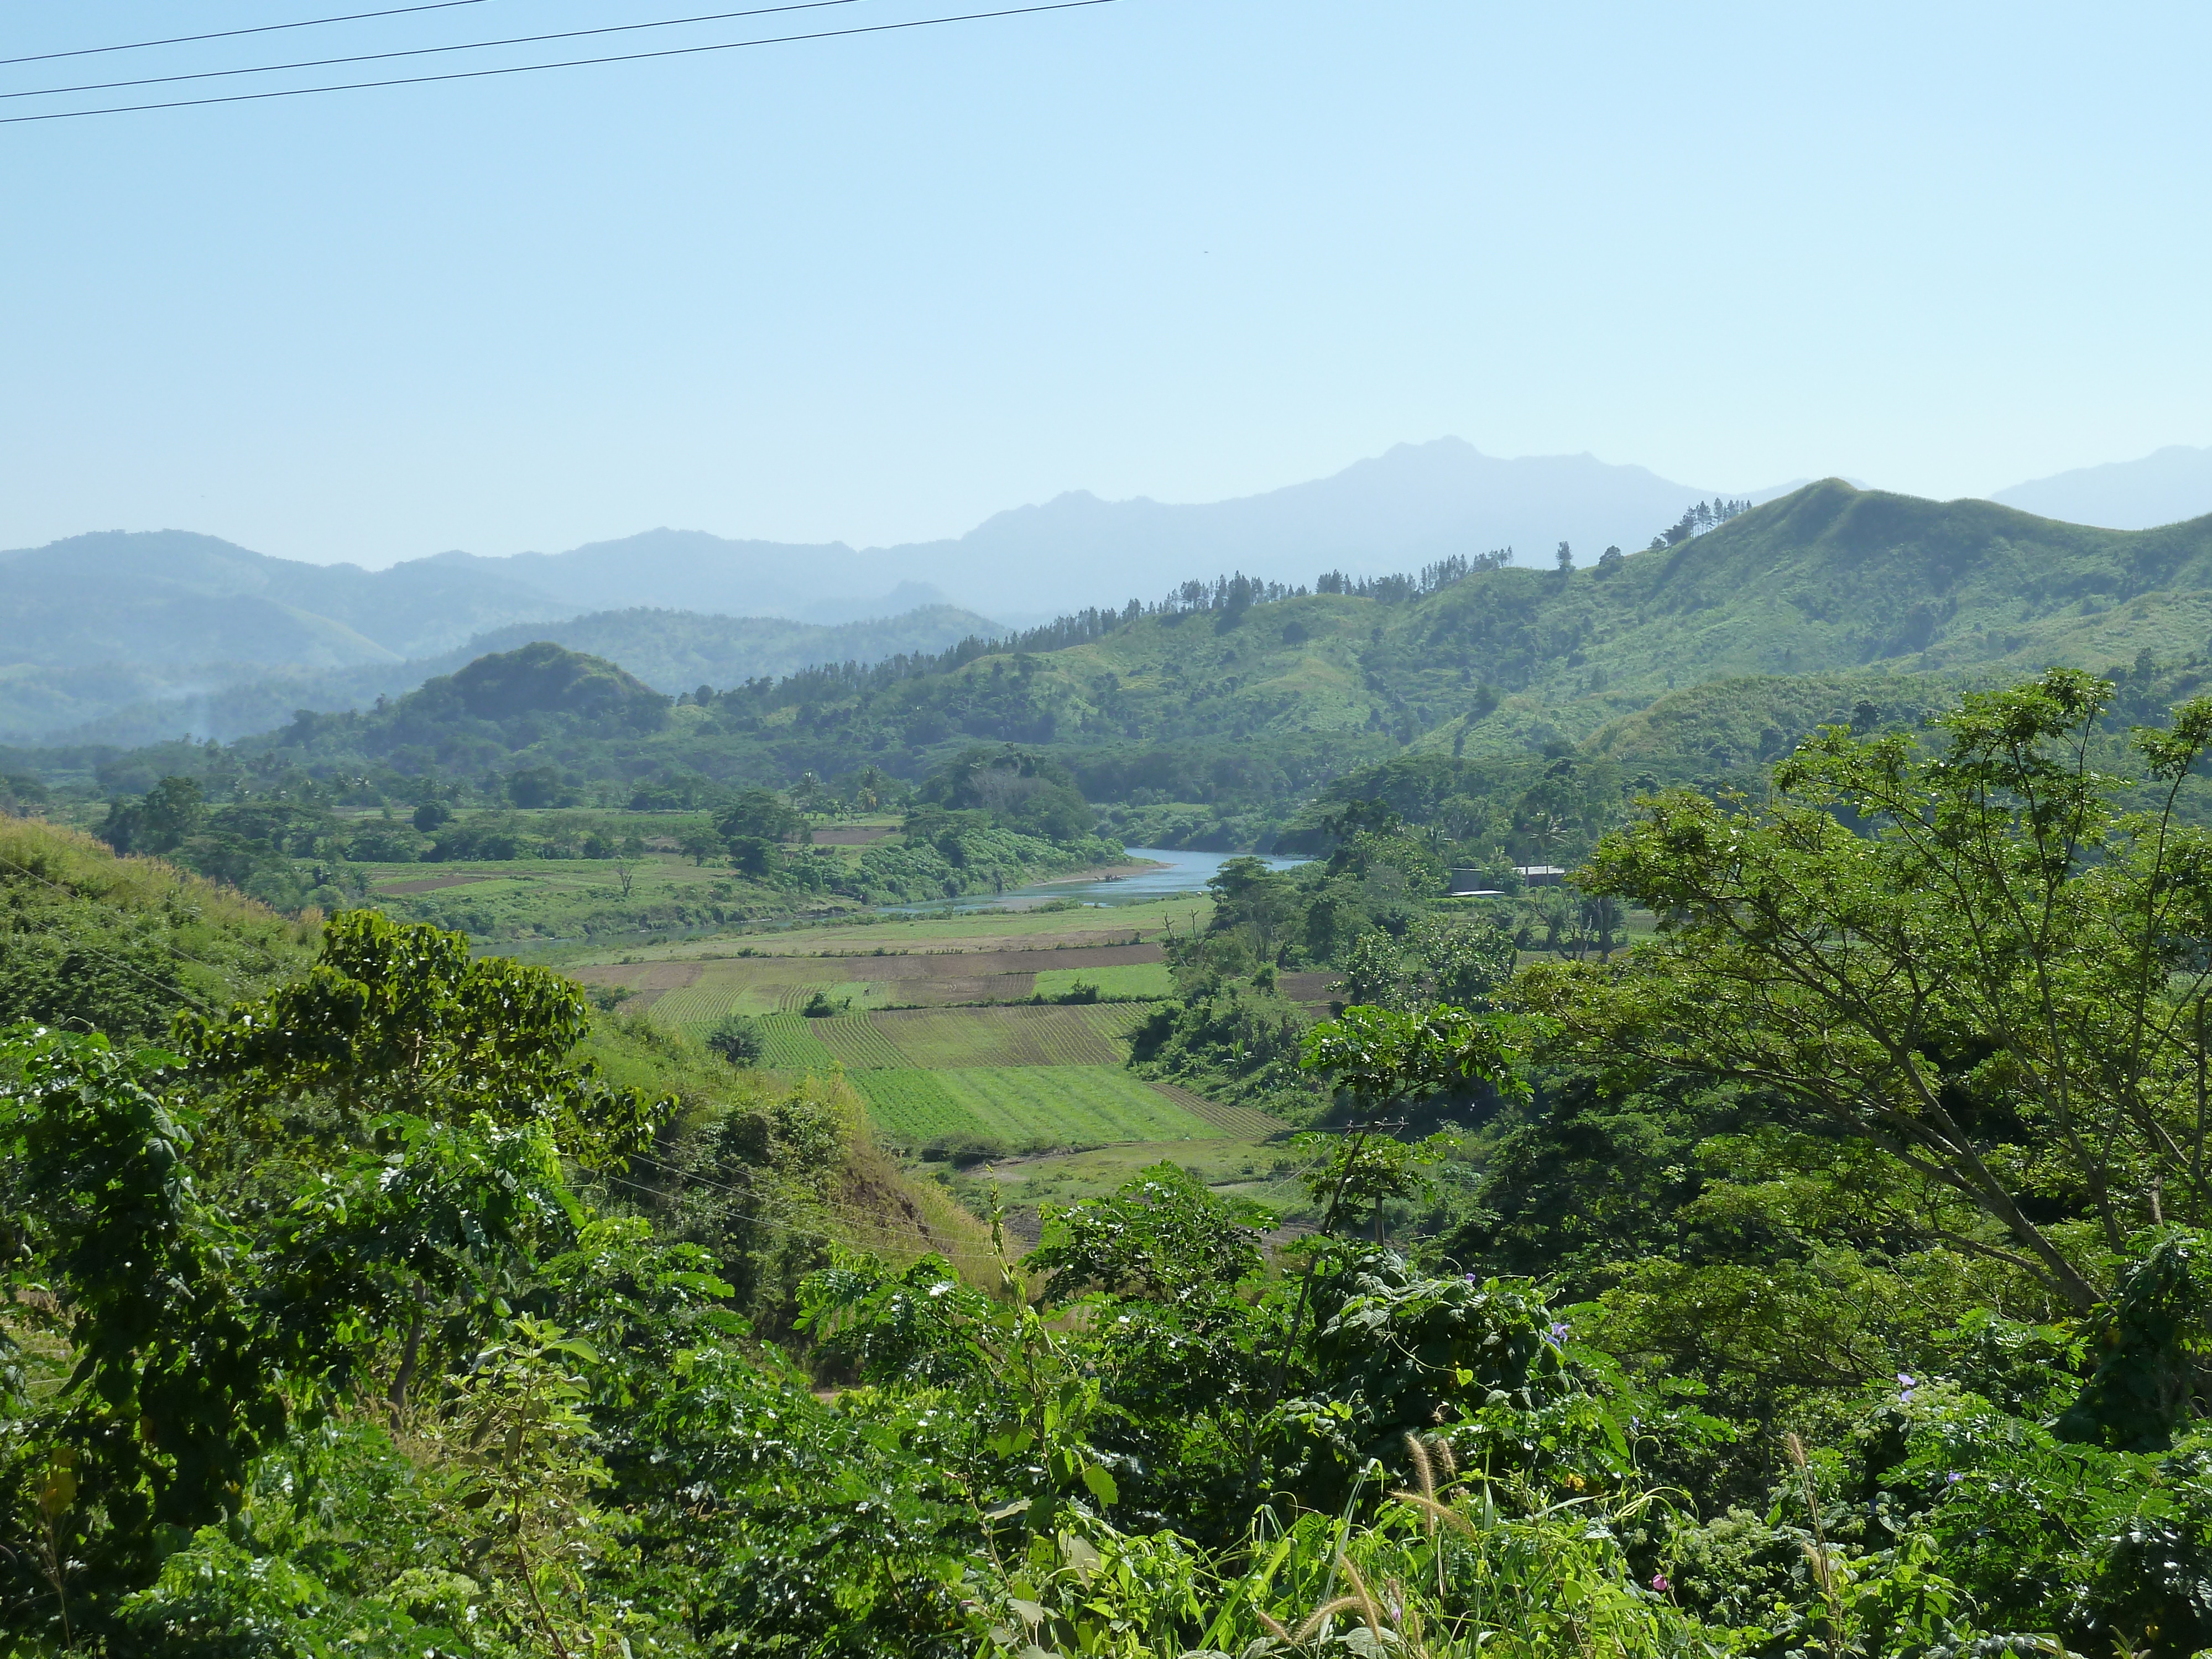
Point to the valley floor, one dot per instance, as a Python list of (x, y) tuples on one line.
[(950, 1028)]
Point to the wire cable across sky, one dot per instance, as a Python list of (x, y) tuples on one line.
[(571, 63), (427, 51), (231, 35)]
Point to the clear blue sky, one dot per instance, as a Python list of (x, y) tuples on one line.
[(877, 288)]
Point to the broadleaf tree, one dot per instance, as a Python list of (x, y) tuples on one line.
[(1964, 952)]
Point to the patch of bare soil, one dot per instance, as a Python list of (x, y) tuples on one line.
[(1311, 992), (432, 883), (653, 976), (935, 963)]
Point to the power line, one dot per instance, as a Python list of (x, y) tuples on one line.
[(226, 34), (573, 62), (423, 51), (71, 892), (166, 986)]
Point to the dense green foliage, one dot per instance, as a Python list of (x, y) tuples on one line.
[(1826, 1271), (91, 943)]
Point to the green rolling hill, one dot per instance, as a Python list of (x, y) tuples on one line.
[(1246, 700)]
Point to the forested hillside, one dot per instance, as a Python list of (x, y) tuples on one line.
[(126, 641), (1823, 1273), (1209, 718)]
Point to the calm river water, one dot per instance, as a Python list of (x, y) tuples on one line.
[(1183, 873)]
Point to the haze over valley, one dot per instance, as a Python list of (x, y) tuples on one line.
[(1142, 829), (127, 637)]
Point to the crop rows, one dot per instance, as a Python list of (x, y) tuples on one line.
[(954, 1037), (789, 1045), (854, 1040), (697, 1005), (1024, 1107), (1032, 1106), (912, 1109), (1114, 1021), (1237, 1122)]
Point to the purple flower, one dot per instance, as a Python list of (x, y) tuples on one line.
[(1659, 1582), (1953, 1479), (1559, 1330)]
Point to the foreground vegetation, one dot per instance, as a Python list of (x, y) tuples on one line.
[(1820, 1275)]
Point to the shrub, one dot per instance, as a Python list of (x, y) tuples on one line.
[(739, 1039)]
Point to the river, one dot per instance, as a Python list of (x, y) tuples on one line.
[(1180, 872)]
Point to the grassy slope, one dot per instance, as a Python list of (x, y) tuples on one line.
[(1728, 723), (122, 944), (1830, 581)]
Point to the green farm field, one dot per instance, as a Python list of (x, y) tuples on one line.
[(1039, 929), (1150, 980), (1267, 1173), (950, 1028), (1025, 1107)]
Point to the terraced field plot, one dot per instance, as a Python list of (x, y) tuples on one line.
[(1266, 1174), (1027, 1107), (942, 1042), (1134, 979), (1115, 1021), (856, 1042), (953, 1037), (1027, 931), (934, 977), (1237, 1122), (791, 1045)]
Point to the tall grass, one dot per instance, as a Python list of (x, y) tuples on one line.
[(1442, 1571)]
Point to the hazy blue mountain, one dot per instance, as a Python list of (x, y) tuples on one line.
[(1408, 508), (2169, 487), (170, 597), (670, 651), (675, 651), (131, 636), (199, 614), (1415, 504)]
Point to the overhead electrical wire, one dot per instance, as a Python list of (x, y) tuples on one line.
[(231, 35), (425, 51), (572, 63), (121, 961)]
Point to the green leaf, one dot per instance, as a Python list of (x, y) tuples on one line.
[(1101, 1484)]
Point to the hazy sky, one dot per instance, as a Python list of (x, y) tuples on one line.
[(877, 288)]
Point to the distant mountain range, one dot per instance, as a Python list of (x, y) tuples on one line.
[(1792, 613), (122, 636), (670, 651), (1413, 505), (2169, 487), (117, 634)]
